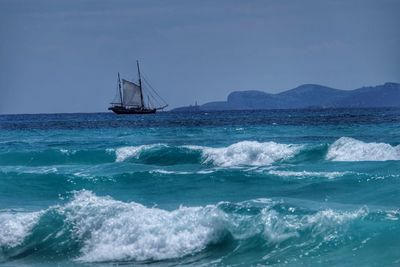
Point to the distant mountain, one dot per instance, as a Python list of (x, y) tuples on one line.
[(307, 96)]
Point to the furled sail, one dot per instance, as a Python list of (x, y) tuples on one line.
[(131, 94)]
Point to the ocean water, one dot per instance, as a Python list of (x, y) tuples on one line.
[(243, 188)]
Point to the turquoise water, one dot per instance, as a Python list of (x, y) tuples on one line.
[(254, 188)]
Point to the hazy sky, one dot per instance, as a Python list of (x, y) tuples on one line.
[(63, 56)]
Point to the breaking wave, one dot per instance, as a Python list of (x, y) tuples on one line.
[(244, 153), (250, 153), (350, 149), (102, 229), (14, 227), (127, 152)]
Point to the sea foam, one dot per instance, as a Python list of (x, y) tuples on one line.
[(130, 231), (325, 224), (110, 230), (117, 231), (249, 153), (14, 227), (127, 152), (350, 149), (303, 174)]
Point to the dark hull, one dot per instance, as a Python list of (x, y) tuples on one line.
[(123, 110)]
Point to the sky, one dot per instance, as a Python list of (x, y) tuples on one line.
[(64, 56)]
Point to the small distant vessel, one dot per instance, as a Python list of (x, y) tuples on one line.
[(129, 98)]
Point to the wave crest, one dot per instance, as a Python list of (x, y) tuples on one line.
[(103, 229), (126, 231), (250, 153), (14, 227), (127, 152), (350, 149)]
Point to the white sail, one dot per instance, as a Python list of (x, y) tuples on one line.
[(131, 94)]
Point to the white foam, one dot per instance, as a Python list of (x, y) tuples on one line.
[(110, 150), (350, 149), (249, 153), (302, 174), (112, 230), (15, 227), (67, 152), (130, 231), (206, 171), (161, 171), (30, 170), (327, 224), (393, 215), (127, 152)]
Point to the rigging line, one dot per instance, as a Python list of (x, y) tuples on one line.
[(155, 92), (151, 104), (162, 105), (152, 96), (144, 78), (153, 100), (148, 92)]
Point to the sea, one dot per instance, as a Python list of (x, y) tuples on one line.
[(227, 188)]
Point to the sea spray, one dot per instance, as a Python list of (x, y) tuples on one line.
[(14, 227), (249, 153), (111, 230), (350, 149)]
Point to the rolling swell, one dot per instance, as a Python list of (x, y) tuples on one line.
[(244, 153), (90, 228), (253, 153), (249, 153), (158, 154)]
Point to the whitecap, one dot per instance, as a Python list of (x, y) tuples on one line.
[(302, 174), (127, 152), (130, 231), (327, 224), (161, 171), (15, 227), (67, 152), (249, 153), (30, 170), (245, 153), (350, 149), (111, 230)]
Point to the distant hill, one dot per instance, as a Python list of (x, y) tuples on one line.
[(307, 96)]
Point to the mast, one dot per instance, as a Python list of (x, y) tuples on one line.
[(140, 83), (119, 88)]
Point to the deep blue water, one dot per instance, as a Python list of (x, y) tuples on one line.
[(243, 188)]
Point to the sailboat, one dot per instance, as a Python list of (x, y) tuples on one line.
[(129, 97)]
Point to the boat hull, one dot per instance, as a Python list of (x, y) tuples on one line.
[(123, 110)]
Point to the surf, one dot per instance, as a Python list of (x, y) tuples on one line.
[(103, 229), (250, 153), (350, 149)]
